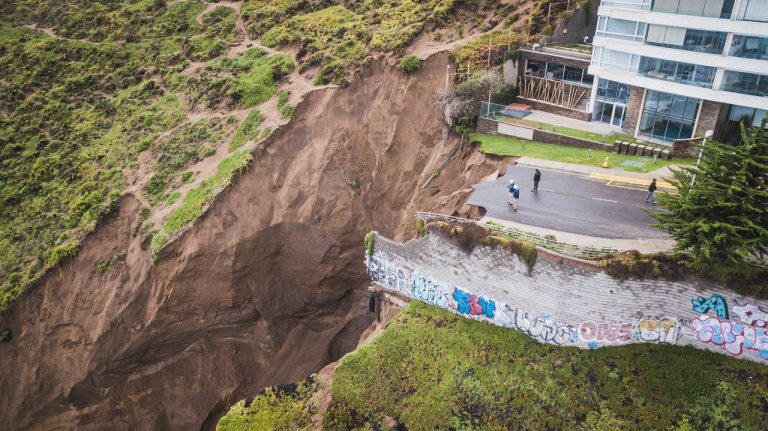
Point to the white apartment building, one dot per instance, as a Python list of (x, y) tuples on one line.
[(673, 69)]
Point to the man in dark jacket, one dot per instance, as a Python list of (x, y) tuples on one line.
[(652, 188), (536, 179)]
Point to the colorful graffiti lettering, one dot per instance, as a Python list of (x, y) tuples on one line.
[(751, 314), (390, 276), (540, 327), (607, 332), (663, 331), (428, 290), (715, 302), (732, 336), (473, 305)]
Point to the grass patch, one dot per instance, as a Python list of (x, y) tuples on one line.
[(248, 130), (430, 369), (507, 146), (198, 199), (272, 410), (221, 23)]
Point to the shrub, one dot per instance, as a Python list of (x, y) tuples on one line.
[(409, 64), (421, 227), (5, 335), (370, 240)]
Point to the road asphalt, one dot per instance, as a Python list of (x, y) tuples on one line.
[(570, 203)]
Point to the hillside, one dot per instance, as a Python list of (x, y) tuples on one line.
[(166, 100), (430, 369)]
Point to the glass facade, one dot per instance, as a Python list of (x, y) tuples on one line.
[(620, 29), (668, 117), (745, 83), (615, 59), (710, 42), (728, 128), (749, 47), (684, 73), (558, 72), (707, 8), (611, 102), (753, 10)]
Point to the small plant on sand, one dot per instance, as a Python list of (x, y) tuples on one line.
[(370, 242), (409, 64)]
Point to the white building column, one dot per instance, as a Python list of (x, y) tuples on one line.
[(593, 95)]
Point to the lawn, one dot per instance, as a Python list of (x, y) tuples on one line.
[(507, 146), (568, 131), (430, 369)]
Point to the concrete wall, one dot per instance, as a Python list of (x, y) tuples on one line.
[(567, 302), (490, 127)]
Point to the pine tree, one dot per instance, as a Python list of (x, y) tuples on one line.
[(721, 210)]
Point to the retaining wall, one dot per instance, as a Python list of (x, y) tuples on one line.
[(568, 302)]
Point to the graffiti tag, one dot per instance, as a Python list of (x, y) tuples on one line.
[(540, 327), (715, 302), (751, 314), (473, 305), (428, 290), (606, 332), (663, 331), (731, 336)]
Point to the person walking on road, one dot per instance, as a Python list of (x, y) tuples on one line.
[(651, 189), (514, 194), (536, 179)]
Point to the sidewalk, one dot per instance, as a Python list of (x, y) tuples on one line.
[(615, 175), (641, 245)]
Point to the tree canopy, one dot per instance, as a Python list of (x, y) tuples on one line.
[(720, 212)]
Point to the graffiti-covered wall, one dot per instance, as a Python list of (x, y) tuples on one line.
[(569, 304)]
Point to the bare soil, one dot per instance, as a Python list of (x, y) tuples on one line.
[(268, 287)]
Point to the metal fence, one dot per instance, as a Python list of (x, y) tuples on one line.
[(546, 241)]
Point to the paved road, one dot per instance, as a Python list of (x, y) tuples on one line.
[(569, 203)]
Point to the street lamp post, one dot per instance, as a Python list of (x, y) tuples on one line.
[(707, 134)]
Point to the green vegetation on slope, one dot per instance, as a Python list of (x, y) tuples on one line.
[(248, 130), (77, 109), (507, 146), (198, 199), (431, 370), (272, 410), (342, 38)]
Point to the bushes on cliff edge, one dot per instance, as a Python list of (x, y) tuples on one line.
[(431, 369)]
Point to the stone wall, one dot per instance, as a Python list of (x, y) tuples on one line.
[(634, 104), (708, 115), (568, 302)]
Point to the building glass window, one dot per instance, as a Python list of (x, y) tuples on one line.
[(611, 102), (667, 116), (684, 73), (728, 128), (710, 42), (615, 59), (612, 91), (707, 8), (558, 72), (749, 47), (614, 28), (753, 10), (745, 83)]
